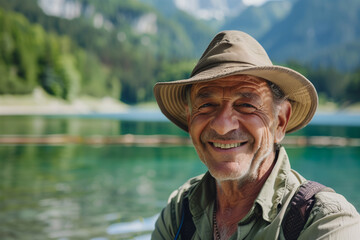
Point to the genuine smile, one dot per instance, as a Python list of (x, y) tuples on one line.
[(227, 145)]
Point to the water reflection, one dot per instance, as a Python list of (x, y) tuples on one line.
[(76, 191), (76, 126), (136, 226)]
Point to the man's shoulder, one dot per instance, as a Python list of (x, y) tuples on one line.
[(327, 200), (332, 217), (169, 219), (190, 184), (330, 202)]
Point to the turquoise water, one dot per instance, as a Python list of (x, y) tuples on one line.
[(101, 191)]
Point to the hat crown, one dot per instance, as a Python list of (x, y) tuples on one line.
[(232, 47)]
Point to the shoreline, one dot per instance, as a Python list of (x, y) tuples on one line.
[(41, 103)]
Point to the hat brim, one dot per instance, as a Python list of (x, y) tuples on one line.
[(171, 96)]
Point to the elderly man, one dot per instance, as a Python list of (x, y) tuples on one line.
[(237, 107)]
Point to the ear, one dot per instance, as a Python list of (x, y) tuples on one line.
[(282, 120)]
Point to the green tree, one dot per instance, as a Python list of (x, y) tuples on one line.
[(352, 93)]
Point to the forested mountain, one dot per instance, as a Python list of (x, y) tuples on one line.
[(132, 43), (258, 20), (313, 32), (320, 32), (121, 48), (31, 57)]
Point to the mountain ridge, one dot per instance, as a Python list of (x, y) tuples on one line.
[(311, 34), (130, 45)]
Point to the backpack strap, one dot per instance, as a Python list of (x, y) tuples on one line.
[(294, 221), (300, 208), (187, 227)]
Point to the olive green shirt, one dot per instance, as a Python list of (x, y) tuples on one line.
[(332, 216)]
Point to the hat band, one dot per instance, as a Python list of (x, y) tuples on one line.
[(214, 65)]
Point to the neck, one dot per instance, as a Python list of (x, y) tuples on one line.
[(235, 198), (232, 193)]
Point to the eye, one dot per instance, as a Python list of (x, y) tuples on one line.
[(245, 107), (205, 105)]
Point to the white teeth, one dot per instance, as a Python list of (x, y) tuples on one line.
[(226, 146)]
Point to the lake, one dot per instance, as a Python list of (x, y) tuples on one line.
[(87, 177)]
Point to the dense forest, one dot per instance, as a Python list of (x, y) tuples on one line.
[(107, 51), (72, 57)]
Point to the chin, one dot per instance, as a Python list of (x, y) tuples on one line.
[(239, 176)]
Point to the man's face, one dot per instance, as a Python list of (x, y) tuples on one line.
[(233, 126)]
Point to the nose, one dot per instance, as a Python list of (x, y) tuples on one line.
[(224, 120)]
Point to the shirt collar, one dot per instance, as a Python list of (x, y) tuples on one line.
[(202, 195), (272, 193)]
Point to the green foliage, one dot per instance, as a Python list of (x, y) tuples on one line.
[(32, 57), (130, 58), (352, 89), (18, 58), (175, 71), (331, 84), (76, 57), (60, 76)]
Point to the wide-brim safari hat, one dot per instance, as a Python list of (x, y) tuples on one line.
[(237, 53)]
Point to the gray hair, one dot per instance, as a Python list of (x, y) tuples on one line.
[(277, 92)]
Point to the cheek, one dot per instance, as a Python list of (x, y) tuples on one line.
[(195, 136), (195, 130), (260, 127), (196, 126)]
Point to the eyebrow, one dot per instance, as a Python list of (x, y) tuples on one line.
[(204, 94), (249, 95)]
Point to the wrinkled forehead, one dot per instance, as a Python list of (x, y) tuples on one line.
[(237, 83)]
